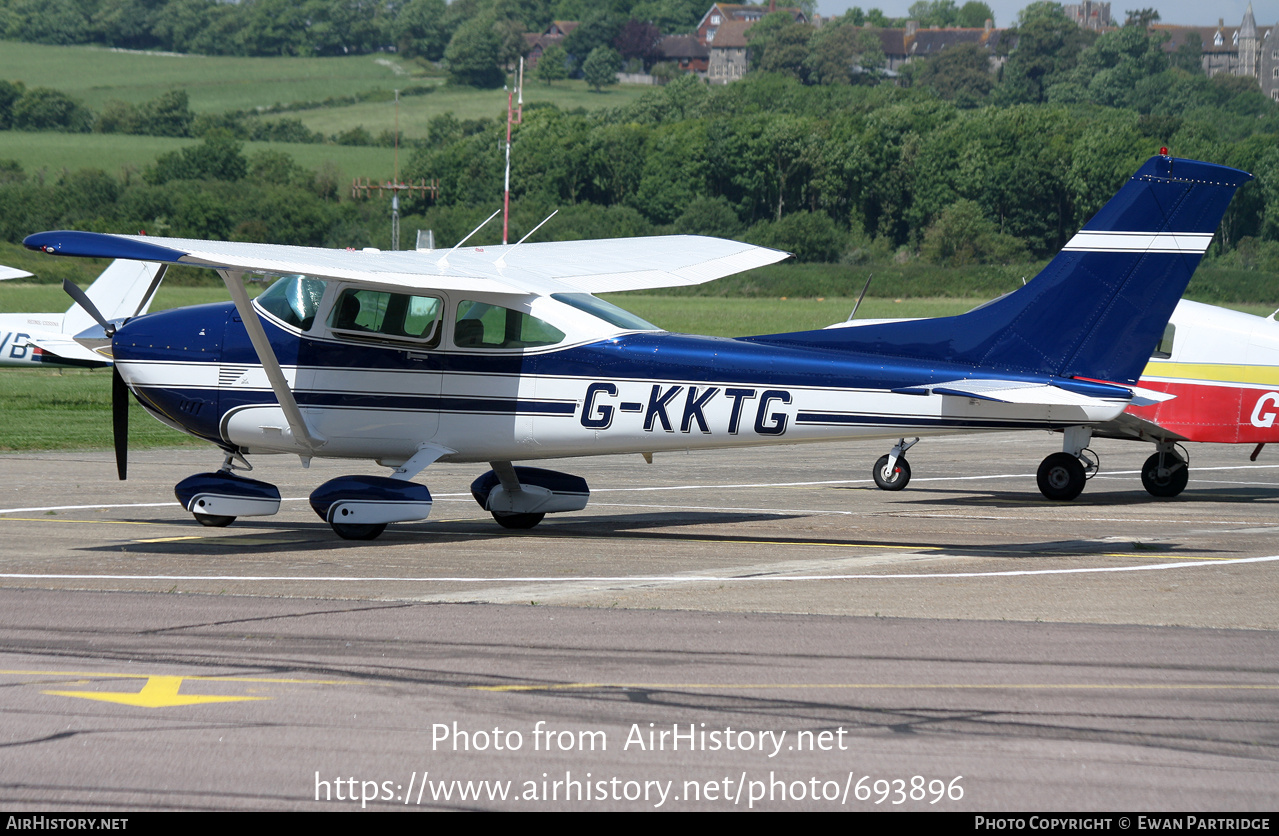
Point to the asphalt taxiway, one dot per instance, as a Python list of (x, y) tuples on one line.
[(1113, 652)]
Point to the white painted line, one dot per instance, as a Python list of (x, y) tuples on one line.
[(646, 578)]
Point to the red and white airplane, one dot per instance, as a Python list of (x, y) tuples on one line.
[(1222, 366)]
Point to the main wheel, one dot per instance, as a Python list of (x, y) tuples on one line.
[(894, 481), (1171, 481), (1061, 476), (517, 520), (355, 531), (214, 520)]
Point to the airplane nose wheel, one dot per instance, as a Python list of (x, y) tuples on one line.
[(1165, 474), (1061, 477), (891, 480)]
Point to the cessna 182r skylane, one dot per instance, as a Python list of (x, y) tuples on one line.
[(502, 354), (46, 340)]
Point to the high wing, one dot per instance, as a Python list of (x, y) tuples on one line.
[(599, 266)]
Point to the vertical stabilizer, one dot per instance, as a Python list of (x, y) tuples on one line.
[(1099, 308), (122, 290)]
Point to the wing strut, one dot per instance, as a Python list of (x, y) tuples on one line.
[(302, 432)]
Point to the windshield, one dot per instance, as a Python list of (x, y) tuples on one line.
[(293, 299), (606, 311)]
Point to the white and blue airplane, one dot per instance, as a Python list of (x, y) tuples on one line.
[(503, 354), (46, 340)]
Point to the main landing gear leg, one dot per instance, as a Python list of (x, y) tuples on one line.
[(1166, 472), (1062, 476), (892, 472)]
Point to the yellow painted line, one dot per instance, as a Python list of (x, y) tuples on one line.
[(874, 686), (173, 539), (1213, 373), (1153, 555), (215, 678), (95, 522), (232, 540), (158, 692)]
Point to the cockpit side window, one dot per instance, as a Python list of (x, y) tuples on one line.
[(1164, 350), (293, 300), (378, 314), (481, 325)]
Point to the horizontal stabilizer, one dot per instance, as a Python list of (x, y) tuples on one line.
[(12, 273), (1015, 391), (1149, 397), (67, 350)]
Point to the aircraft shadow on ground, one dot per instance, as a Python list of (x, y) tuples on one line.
[(263, 538)]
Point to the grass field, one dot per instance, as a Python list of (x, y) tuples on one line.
[(214, 84), (95, 75), (462, 102), (115, 153)]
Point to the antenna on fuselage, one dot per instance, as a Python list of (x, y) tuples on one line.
[(858, 303), (444, 259), (501, 262)]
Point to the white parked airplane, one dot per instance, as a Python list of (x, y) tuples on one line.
[(502, 354), (45, 340)]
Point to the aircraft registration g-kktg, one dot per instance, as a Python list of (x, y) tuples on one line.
[(46, 340), (502, 354)]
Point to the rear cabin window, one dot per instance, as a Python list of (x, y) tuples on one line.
[(378, 314), (481, 325)]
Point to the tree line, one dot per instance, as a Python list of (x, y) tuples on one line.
[(959, 165)]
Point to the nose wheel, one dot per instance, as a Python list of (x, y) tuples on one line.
[(891, 478), (892, 472)]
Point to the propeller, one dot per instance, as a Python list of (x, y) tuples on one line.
[(119, 389), (120, 422), (82, 299)]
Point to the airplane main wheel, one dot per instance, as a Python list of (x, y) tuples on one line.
[(214, 520), (517, 521), (1173, 479), (894, 481), (355, 531), (1061, 476)]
